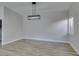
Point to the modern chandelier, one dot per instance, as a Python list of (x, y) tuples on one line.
[(34, 15)]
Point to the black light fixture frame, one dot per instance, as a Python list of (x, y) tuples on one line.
[(34, 16), (33, 2)]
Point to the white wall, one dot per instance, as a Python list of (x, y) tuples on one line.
[(74, 39), (1, 12), (51, 27), (12, 26)]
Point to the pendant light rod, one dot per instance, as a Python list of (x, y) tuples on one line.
[(34, 15), (33, 8)]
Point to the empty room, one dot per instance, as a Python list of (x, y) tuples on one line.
[(39, 28)]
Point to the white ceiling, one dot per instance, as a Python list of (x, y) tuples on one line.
[(23, 7)]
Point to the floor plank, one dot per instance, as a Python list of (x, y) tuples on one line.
[(28, 47)]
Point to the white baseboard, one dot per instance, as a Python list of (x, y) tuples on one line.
[(10, 42), (49, 40), (40, 39), (31, 38), (74, 48)]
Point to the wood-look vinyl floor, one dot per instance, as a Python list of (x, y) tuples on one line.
[(26, 47)]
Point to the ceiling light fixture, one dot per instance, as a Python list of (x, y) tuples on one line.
[(34, 15)]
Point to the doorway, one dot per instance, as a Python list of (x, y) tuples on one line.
[(0, 30)]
